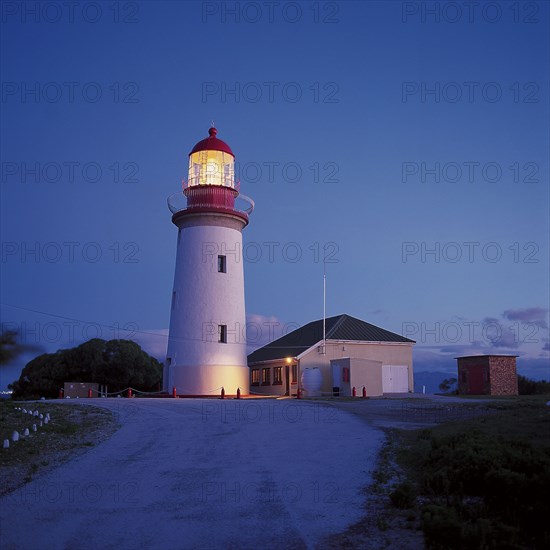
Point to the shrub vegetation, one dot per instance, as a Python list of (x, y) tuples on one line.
[(484, 483)]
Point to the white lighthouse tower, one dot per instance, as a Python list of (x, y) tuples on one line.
[(207, 338)]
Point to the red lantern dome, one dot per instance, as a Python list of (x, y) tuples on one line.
[(212, 143)]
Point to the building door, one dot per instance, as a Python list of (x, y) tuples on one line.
[(395, 379), (287, 380), (336, 378), (475, 380)]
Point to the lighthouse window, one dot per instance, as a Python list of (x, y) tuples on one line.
[(278, 375), (222, 334), (173, 299), (222, 264), (266, 377), (255, 377)]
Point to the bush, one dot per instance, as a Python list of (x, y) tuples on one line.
[(532, 387), (442, 527), (488, 491), (403, 496)]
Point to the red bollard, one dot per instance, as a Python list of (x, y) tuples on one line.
[(298, 393), (89, 393), (238, 393), (61, 393), (222, 394), (354, 392), (174, 394), (129, 392), (364, 391)]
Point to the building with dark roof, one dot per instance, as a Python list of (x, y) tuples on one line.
[(354, 354)]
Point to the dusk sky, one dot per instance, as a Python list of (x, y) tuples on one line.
[(409, 146)]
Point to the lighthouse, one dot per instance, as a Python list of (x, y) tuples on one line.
[(207, 337)]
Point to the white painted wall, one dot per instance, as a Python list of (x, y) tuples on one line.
[(204, 299)]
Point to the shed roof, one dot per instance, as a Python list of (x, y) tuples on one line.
[(484, 355), (339, 327)]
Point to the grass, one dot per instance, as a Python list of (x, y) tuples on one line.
[(481, 482), (71, 427)]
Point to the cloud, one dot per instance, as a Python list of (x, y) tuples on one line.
[(534, 315), (499, 336), (463, 349)]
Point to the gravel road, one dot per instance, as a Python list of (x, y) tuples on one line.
[(197, 473)]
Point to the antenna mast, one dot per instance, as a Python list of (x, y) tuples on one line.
[(324, 303)]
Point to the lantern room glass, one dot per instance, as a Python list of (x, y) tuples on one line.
[(211, 168)]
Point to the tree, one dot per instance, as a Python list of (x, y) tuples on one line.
[(11, 347), (8, 346), (119, 364), (526, 386), (448, 385)]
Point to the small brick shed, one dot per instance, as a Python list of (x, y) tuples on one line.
[(487, 375), (80, 389)]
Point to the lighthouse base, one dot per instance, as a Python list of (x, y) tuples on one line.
[(207, 380)]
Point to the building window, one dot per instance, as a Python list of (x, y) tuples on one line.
[(222, 264), (294, 374), (345, 374), (266, 377), (255, 377), (277, 375), (222, 334), (463, 376)]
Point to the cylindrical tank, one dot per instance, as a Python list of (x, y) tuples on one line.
[(311, 381)]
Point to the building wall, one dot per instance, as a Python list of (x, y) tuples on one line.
[(365, 359), (272, 388), (503, 376), (363, 372), (385, 353)]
